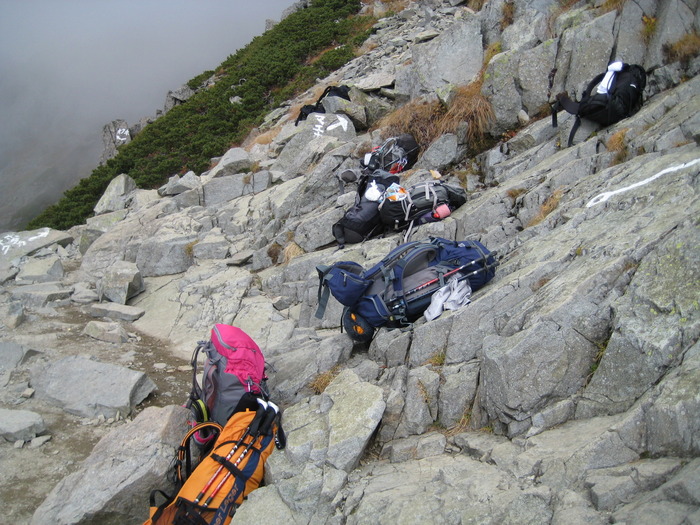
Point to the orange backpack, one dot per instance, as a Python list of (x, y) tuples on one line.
[(235, 467)]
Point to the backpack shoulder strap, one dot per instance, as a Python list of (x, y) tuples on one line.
[(183, 452), (574, 129), (196, 392), (593, 83)]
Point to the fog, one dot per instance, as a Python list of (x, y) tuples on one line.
[(69, 67)]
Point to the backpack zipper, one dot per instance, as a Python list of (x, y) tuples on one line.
[(224, 344)]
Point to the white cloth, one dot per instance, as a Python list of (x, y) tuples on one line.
[(453, 295), (373, 193), (604, 85)]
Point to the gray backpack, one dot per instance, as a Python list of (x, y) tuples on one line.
[(233, 377)]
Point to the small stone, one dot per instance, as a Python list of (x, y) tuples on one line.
[(28, 392), (38, 441), (19, 443), (160, 366)]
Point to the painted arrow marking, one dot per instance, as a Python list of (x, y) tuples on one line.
[(342, 122)]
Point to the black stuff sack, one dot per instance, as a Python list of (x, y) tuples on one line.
[(330, 91), (362, 220)]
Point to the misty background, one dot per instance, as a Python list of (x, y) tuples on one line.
[(69, 67)]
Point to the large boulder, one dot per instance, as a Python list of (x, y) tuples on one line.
[(112, 485), (88, 388), (116, 195), (14, 245), (20, 425), (454, 57), (121, 281)]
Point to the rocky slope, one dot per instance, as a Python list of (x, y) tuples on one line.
[(566, 392)]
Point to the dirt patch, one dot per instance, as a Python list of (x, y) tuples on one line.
[(29, 474)]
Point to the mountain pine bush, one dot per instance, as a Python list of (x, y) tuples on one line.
[(272, 68)]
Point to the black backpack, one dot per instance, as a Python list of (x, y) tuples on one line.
[(623, 97), (398, 289), (362, 220), (330, 91), (420, 205)]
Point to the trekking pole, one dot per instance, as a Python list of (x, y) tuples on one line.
[(258, 416), (446, 274), (452, 272), (270, 415)]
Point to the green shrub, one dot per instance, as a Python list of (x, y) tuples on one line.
[(272, 68)]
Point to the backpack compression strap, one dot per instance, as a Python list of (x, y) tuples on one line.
[(324, 291)]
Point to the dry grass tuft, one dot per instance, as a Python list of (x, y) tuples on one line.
[(684, 49), (321, 381), (424, 392), (548, 206), (291, 251), (617, 144), (507, 14), (189, 248), (437, 359), (426, 121), (268, 136), (514, 193), (491, 51), (648, 28), (470, 106), (419, 118), (461, 426), (476, 5), (612, 5)]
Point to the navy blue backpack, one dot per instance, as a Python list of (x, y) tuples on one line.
[(397, 290)]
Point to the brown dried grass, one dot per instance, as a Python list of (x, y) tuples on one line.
[(419, 118), (321, 381), (684, 49), (268, 136), (469, 106), (617, 143), (612, 5), (548, 206), (291, 251), (507, 14)]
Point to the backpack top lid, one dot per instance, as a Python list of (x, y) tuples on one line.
[(244, 357), (606, 84)]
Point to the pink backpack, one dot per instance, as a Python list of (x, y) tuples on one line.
[(234, 377)]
